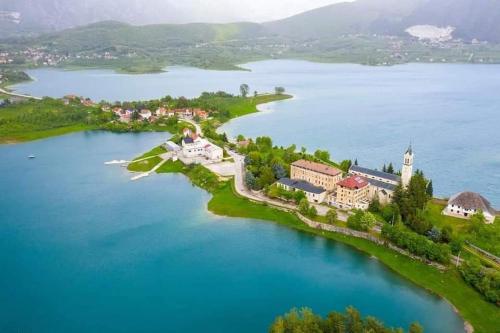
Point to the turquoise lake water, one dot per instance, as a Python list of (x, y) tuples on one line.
[(84, 249), (451, 113)]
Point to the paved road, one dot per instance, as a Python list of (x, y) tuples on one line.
[(195, 124), (3, 91), (239, 184)]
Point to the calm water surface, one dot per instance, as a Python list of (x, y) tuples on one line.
[(84, 249), (451, 113)]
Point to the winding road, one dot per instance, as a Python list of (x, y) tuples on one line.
[(3, 91)]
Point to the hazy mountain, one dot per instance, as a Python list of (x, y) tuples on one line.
[(362, 16), (470, 19), (62, 14)]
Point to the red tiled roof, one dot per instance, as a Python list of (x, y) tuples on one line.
[(317, 167), (353, 182)]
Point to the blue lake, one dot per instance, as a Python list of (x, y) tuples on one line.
[(84, 249), (449, 112)]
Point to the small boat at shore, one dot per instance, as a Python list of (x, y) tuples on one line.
[(31, 156)]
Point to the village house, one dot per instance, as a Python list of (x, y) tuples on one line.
[(87, 102), (124, 115), (145, 114), (161, 112), (184, 113), (317, 174), (352, 192), (314, 194), (202, 114), (466, 204)]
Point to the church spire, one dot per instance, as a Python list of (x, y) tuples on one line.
[(409, 150), (407, 170)]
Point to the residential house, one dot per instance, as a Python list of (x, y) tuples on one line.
[(202, 114), (466, 204), (145, 114), (161, 112), (314, 194)]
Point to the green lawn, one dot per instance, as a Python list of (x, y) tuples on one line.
[(42, 134), (144, 166), (153, 152), (242, 106), (433, 213), (487, 238), (171, 167)]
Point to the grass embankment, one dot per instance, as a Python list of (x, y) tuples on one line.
[(239, 107), (450, 285)]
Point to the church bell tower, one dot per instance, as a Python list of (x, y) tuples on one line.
[(407, 170)]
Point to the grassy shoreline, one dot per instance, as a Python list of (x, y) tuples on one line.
[(449, 285), (237, 107)]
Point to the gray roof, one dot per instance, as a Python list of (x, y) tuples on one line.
[(376, 173), (471, 200), (378, 183), (301, 185), (188, 140)]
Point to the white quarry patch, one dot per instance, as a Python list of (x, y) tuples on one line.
[(431, 32), (14, 17)]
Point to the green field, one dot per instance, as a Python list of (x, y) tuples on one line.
[(241, 107), (31, 120)]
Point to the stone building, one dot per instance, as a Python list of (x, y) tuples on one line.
[(317, 174)]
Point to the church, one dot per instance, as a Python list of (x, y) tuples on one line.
[(383, 184)]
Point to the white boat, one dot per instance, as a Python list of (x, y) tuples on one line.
[(31, 156)]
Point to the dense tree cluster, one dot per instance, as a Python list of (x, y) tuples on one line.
[(361, 220), (484, 280), (49, 113), (350, 321), (412, 201), (417, 244)]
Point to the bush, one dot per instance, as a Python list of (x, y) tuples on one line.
[(361, 220), (331, 216), (486, 281), (417, 244)]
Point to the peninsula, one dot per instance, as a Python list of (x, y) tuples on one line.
[(393, 217)]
